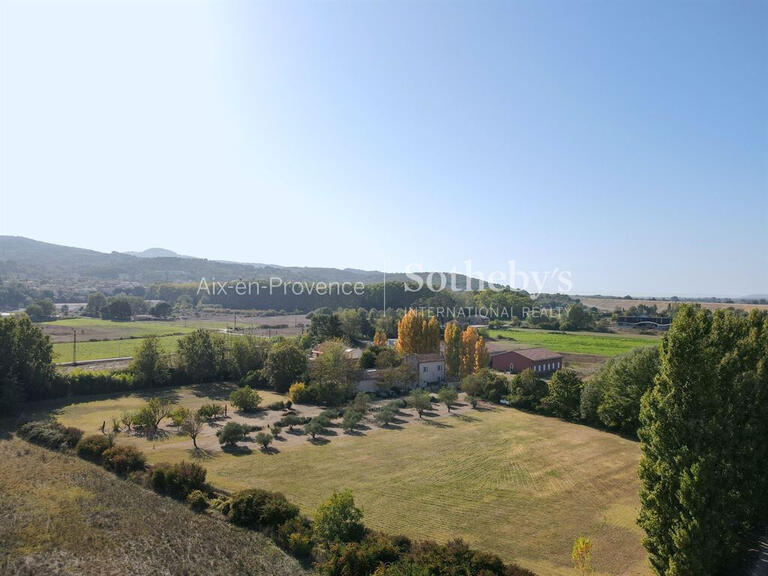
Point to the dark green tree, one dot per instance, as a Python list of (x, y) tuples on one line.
[(563, 394), (703, 439), (286, 363)]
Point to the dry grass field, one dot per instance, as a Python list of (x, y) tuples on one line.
[(610, 304), (62, 515), (520, 485)]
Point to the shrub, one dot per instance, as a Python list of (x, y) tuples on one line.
[(301, 394), (245, 398), (211, 411), (123, 459), (178, 415), (291, 421), (93, 447), (258, 508), (197, 500), (231, 434), (280, 405), (50, 434), (338, 519), (360, 558), (486, 385), (295, 536), (179, 479)]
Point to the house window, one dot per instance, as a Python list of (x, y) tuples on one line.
[(439, 368), (424, 369)]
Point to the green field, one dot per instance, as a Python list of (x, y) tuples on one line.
[(576, 342), (62, 515), (62, 352), (519, 485)]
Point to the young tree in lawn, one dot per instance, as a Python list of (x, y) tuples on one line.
[(448, 396), (385, 415), (315, 426), (351, 419), (291, 420), (192, 426), (420, 401), (360, 403), (231, 434), (152, 413), (245, 398), (264, 439)]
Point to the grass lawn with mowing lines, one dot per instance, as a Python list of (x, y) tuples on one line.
[(576, 342), (520, 485)]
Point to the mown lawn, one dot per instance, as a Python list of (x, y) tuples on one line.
[(576, 342), (519, 485), (62, 351)]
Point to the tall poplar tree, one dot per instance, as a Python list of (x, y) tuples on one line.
[(703, 439), (452, 340)]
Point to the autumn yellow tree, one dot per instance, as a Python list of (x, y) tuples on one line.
[(469, 339), (482, 357), (417, 334), (380, 338), (432, 335), (452, 340)]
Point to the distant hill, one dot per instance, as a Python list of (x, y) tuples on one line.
[(156, 253), (25, 259)]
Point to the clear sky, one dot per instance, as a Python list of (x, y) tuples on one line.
[(625, 142)]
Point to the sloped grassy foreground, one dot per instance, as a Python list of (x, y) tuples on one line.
[(62, 515)]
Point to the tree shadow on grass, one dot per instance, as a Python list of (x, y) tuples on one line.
[(319, 441), (200, 453), (355, 432), (237, 450), (466, 417), (430, 414), (214, 390), (170, 394), (436, 424), (269, 450)]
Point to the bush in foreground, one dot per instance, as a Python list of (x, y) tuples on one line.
[(197, 500), (50, 434), (123, 459), (93, 447), (178, 480), (259, 509)]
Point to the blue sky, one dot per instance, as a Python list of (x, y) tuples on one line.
[(624, 142)]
